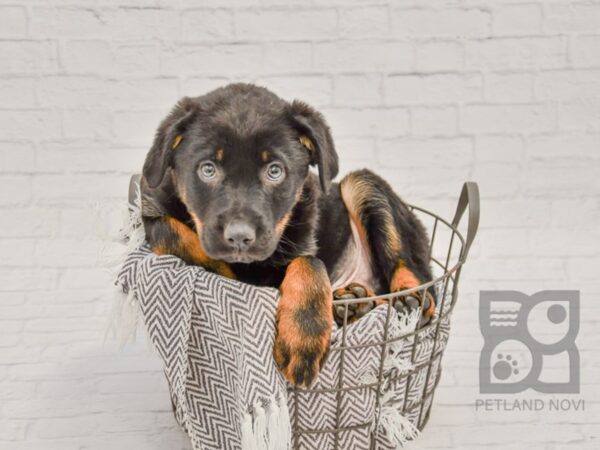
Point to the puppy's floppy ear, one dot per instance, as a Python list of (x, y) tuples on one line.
[(314, 134), (169, 135)]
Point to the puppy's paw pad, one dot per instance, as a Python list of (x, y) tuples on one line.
[(413, 301), (355, 310)]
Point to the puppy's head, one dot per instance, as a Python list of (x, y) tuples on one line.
[(238, 158)]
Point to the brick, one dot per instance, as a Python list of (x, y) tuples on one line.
[(314, 89), (367, 122), (438, 88), (509, 87), (195, 86), (565, 149), (498, 179), (283, 25), (50, 428), (518, 212), (18, 92), (88, 156), (567, 85), (136, 58), (346, 93), (202, 24), (364, 56), (562, 182), (146, 23), (20, 57), (144, 93), (192, 59), (72, 91), (13, 21), (287, 57), (87, 57), (93, 123), (16, 252), (436, 121), (440, 56), (421, 153), (28, 222), (571, 17), (74, 189), (20, 124), (517, 19), (366, 21), (19, 192), (67, 21), (98, 221), (73, 252), (579, 115), (499, 148), (444, 22), (585, 51), (27, 279), (17, 156), (356, 150), (137, 127), (509, 118), (516, 53)]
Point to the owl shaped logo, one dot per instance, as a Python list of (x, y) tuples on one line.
[(529, 342)]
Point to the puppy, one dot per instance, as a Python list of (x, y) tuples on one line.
[(227, 186)]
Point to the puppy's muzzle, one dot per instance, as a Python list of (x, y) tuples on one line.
[(239, 235)]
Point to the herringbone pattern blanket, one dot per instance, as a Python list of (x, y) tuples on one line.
[(215, 339)]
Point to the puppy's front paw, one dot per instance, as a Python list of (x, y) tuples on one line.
[(298, 359), (304, 318)]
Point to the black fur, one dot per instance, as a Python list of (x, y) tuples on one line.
[(244, 121)]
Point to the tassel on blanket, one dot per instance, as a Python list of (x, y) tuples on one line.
[(398, 429), (267, 428), (125, 317), (279, 426)]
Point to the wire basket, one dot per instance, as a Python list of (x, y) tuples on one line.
[(358, 389), (423, 346)]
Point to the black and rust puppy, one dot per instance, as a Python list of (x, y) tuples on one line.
[(226, 185)]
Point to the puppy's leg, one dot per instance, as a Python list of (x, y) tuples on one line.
[(169, 236), (396, 239), (304, 318)]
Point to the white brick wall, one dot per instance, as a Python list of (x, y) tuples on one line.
[(429, 94)]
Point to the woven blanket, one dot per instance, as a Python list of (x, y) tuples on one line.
[(215, 338)]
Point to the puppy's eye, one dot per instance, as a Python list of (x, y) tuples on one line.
[(275, 172), (207, 171)]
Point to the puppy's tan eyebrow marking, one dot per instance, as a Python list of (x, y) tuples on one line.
[(176, 141), (306, 142), (264, 155), (220, 154)]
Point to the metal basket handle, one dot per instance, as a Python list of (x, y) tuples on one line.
[(468, 196), (134, 183)]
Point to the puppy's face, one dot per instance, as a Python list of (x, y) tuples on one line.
[(239, 158), (240, 189)]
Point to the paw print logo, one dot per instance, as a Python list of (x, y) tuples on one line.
[(505, 367), (523, 334)]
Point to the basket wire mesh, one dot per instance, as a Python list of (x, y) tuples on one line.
[(448, 252)]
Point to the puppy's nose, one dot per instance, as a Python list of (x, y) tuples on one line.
[(239, 234)]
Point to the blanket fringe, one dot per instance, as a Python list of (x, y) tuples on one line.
[(279, 425), (398, 429), (267, 428), (125, 317)]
